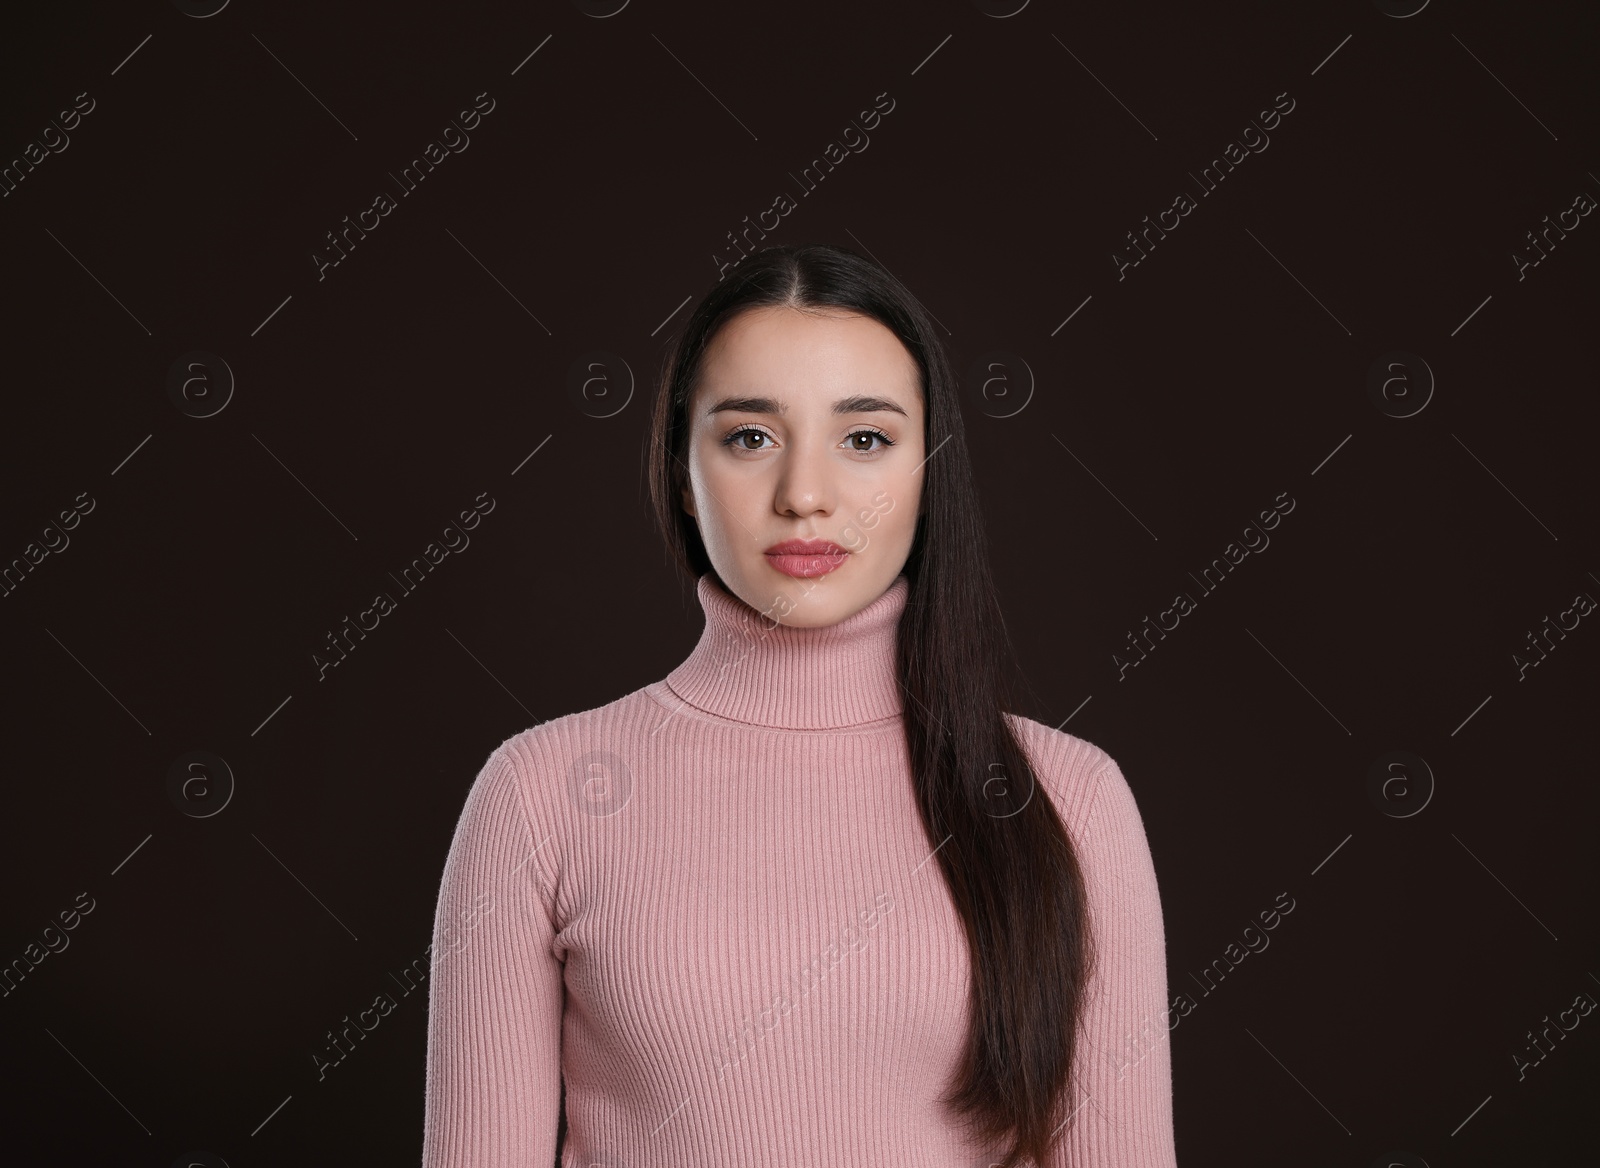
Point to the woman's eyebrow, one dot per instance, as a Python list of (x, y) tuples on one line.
[(859, 404)]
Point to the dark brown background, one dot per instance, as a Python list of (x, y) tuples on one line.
[(375, 404)]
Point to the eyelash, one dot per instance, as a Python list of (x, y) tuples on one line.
[(884, 438)]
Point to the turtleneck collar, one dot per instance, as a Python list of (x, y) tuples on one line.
[(747, 669)]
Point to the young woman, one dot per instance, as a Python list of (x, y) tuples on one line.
[(817, 897)]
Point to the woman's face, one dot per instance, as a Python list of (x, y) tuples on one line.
[(787, 430)]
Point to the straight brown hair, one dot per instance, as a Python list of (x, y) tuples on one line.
[(1007, 858)]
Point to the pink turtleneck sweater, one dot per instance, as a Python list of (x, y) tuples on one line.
[(709, 907)]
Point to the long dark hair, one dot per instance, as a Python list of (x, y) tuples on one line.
[(1007, 858)]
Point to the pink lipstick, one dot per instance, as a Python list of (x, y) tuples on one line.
[(806, 558)]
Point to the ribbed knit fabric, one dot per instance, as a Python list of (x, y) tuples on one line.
[(710, 907)]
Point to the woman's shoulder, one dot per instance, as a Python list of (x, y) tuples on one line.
[(1072, 769), (575, 750), (1063, 756)]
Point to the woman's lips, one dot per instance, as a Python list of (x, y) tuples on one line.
[(819, 564), (806, 558)]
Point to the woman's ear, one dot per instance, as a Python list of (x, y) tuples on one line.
[(688, 500)]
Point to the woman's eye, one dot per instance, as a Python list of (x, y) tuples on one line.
[(869, 448), (860, 441)]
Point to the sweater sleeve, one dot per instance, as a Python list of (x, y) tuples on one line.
[(1121, 1102), (495, 991)]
